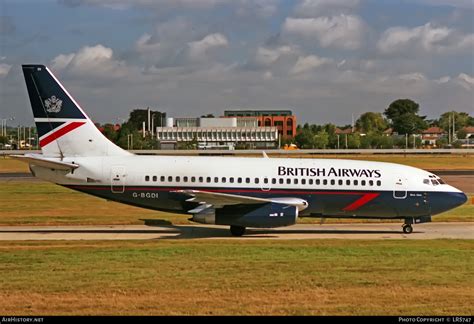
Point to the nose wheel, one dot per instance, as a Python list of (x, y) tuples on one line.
[(237, 230), (407, 229)]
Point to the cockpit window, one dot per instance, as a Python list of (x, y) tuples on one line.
[(434, 182), (441, 181), (426, 181)]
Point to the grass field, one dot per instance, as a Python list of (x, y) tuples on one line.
[(329, 277), (42, 203), (428, 162)]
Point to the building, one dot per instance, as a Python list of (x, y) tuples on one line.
[(283, 120), (210, 133), (431, 135)]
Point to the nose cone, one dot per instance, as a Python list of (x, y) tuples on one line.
[(447, 201)]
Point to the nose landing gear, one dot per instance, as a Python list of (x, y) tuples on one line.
[(237, 230), (407, 228)]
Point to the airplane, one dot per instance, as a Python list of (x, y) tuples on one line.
[(233, 191)]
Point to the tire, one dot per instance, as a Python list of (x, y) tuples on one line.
[(237, 230), (407, 229)]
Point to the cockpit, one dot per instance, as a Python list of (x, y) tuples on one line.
[(433, 181)]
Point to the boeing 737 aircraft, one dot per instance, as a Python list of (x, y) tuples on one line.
[(239, 192)]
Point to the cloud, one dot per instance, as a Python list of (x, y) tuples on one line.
[(342, 31), (4, 69), (308, 63), (466, 81), (97, 61), (267, 56), (466, 4), (7, 26), (315, 8), (424, 39), (198, 49), (154, 4)]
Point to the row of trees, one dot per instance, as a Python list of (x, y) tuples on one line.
[(402, 116)]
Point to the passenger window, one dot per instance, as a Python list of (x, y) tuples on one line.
[(239, 180), (216, 180), (193, 179), (310, 181), (155, 178), (208, 179), (340, 182), (178, 179), (288, 181), (303, 181), (147, 178), (325, 182), (295, 181), (379, 183), (162, 178), (281, 180), (170, 179), (247, 180), (348, 182), (371, 182), (185, 179), (223, 180), (274, 181), (231, 180), (318, 182), (201, 179), (356, 182), (362, 183), (265, 180), (333, 182), (257, 180)]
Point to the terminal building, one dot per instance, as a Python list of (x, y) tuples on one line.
[(212, 133), (283, 120)]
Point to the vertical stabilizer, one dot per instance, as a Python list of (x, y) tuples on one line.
[(63, 127)]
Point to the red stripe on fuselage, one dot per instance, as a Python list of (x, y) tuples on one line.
[(60, 132), (361, 201)]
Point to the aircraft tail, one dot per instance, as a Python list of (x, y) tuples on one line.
[(63, 127)]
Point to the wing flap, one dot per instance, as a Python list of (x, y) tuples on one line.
[(45, 163)]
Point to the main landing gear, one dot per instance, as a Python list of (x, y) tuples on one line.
[(237, 230), (407, 228)]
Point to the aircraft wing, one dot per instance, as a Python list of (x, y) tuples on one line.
[(45, 163), (219, 200)]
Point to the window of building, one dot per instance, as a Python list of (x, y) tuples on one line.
[(147, 178), (155, 178)]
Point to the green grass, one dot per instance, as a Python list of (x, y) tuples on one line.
[(42, 203), (323, 277)]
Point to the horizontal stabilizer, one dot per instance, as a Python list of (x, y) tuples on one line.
[(45, 163)]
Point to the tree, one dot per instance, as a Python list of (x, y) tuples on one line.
[(321, 139), (403, 114), (461, 119), (371, 122), (305, 138)]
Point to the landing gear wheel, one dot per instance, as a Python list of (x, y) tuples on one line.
[(407, 229), (237, 230)]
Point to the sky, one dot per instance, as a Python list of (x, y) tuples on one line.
[(327, 60)]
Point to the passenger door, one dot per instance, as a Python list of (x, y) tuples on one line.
[(117, 179)]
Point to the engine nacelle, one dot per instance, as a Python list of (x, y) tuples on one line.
[(264, 216)]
